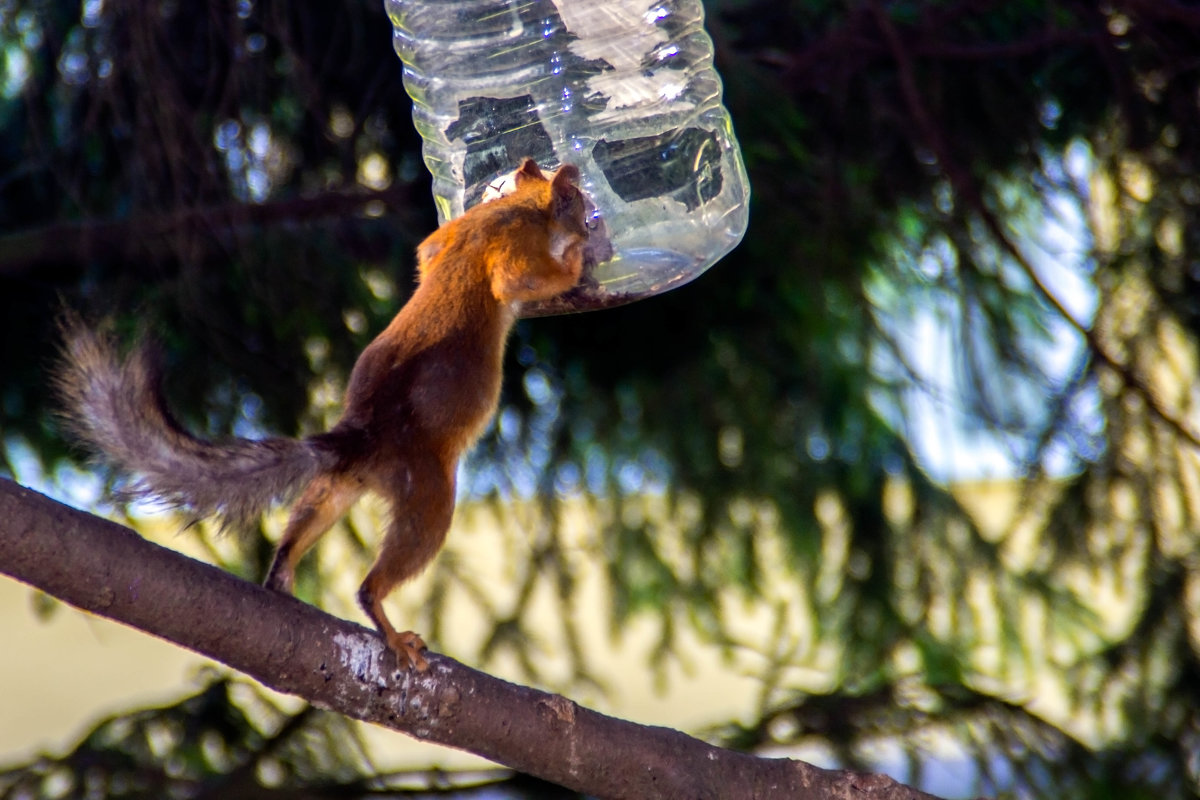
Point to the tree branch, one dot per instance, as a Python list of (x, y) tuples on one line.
[(292, 647)]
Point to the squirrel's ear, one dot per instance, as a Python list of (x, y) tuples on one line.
[(529, 171), (566, 200), (567, 174)]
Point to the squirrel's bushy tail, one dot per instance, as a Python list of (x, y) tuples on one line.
[(116, 407)]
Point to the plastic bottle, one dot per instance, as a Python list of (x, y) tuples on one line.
[(623, 89)]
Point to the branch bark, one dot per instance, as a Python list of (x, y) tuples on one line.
[(292, 647)]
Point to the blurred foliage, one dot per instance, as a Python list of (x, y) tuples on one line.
[(232, 741), (242, 179)]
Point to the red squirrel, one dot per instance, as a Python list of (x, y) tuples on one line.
[(418, 396)]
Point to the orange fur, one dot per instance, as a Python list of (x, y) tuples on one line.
[(418, 396), (425, 389)]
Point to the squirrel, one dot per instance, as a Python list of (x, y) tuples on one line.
[(418, 396)]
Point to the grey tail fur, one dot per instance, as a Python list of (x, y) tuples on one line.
[(115, 406)]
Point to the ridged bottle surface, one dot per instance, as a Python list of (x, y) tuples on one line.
[(623, 89)]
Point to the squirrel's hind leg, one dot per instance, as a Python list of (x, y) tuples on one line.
[(421, 514), (326, 499)]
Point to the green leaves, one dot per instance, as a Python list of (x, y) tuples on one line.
[(759, 443)]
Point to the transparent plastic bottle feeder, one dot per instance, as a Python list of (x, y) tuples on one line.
[(624, 90)]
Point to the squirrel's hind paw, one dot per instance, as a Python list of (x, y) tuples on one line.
[(408, 647)]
